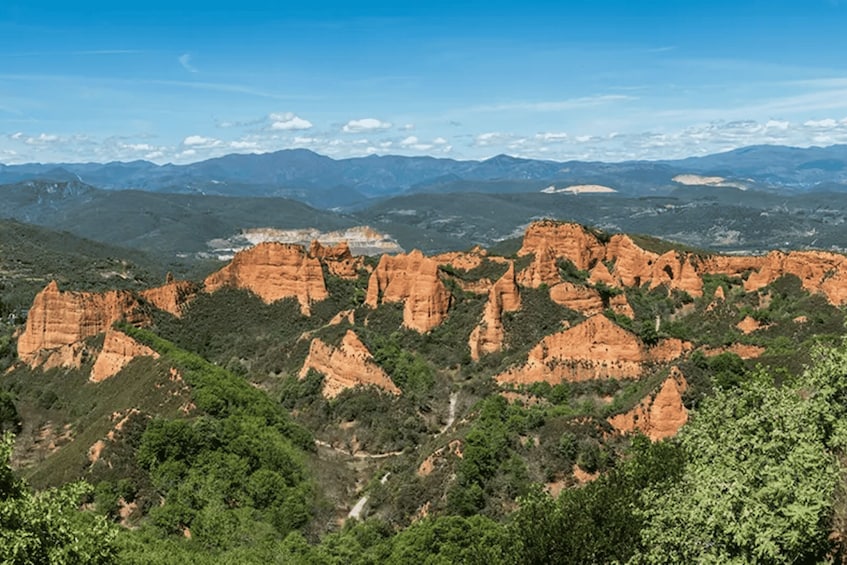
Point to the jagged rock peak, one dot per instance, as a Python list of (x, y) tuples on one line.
[(58, 322), (346, 366), (596, 348), (412, 279), (658, 416), (274, 271), (488, 335)]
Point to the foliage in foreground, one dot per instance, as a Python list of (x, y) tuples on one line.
[(48, 527)]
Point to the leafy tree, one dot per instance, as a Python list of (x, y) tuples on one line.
[(596, 523), (10, 420), (48, 527), (760, 474)]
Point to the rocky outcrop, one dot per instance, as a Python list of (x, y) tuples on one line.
[(743, 350), (541, 270), (594, 349), (635, 266), (620, 305), (819, 271), (748, 325), (118, 350), (59, 322), (346, 366), (465, 261), (583, 299), (487, 336), (273, 271), (568, 241), (338, 258), (658, 416), (412, 279), (171, 297)]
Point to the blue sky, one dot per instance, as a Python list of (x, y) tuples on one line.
[(605, 79)]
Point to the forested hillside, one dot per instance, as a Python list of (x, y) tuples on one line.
[(580, 397)]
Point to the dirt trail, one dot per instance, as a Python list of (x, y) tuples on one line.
[(356, 511)]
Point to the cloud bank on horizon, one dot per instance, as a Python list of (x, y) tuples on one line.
[(612, 80)]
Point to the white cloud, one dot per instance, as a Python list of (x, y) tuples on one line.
[(408, 127), (490, 138), (41, 139), (365, 124), (288, 121), (137, 146), (409, 141), (244, 145), (17, 135), (185, 61), (201, 141), (439, 141), (777, 124), (551, 136), (823, 124)]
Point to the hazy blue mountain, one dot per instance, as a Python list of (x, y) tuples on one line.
[(353, 183)]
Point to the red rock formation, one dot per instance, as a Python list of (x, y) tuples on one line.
[(669, 349), (660, 416), (118, 350), (568, 241), (338, 259), (742, 350), (346, 366), (58, 323), (172, 297), (620, 305), (487, 336), (273, 271), (583, 299), (601, 274), (748, 325), (462, 260), (411, 279), (635, 266), (542, 269), (594, 349)]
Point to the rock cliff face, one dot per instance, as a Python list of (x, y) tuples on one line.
[(462, 260), (634, 266), (542, 269), (487, 337), (118, 350), (583, 299), (58, 323), (171, 297), (273, 271), (346, 366), (338, 259), (660, 416), (411, 279), (569, 241), (819, 271), (594, 349)]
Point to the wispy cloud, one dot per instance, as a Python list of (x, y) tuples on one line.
[(185, 61), (555, 105), (365, 124), (288, 122)]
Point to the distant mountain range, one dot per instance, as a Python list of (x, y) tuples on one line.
[(745, 200), (353, 183)]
